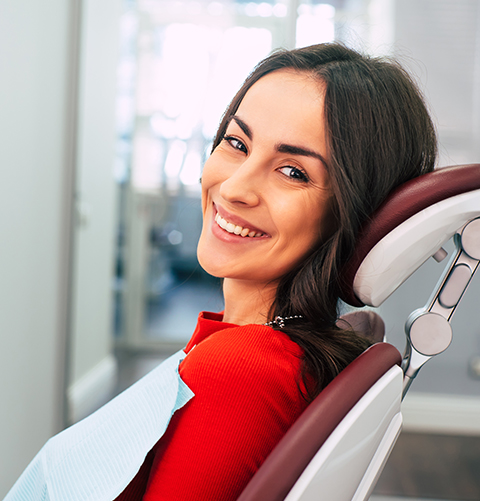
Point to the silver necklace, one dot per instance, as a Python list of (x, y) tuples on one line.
[(280, 321)]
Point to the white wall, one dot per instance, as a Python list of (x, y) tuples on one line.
[(57, 57), (37, 54), (92, 372), (439, 41)]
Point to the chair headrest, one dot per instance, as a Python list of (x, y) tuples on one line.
[(415, 220)]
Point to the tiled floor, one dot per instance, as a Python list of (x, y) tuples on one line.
[(434, 467), (390, 498)]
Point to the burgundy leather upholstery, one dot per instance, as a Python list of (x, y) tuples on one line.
[(284, 465), (404, 202)]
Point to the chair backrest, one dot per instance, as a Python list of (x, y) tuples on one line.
[(289, 459)]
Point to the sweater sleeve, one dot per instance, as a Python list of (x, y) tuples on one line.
[(246, 385)]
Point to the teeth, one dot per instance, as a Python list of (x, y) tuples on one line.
[(237, 230)]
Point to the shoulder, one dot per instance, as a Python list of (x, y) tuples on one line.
[(248, 373), (247, 354), (250, 345)]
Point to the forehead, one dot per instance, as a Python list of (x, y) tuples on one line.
[(285, 102)]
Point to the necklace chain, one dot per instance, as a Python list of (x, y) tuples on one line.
[(280, 321)]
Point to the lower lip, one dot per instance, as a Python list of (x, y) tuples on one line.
[(225, 236)]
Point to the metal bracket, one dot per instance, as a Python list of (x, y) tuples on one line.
[(428, 329)]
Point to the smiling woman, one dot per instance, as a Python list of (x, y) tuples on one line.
[(367, 127), (266, 179), (312, 143)]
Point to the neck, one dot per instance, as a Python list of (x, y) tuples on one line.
[(246, 302)]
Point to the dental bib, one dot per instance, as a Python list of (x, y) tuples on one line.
[(97, 458)]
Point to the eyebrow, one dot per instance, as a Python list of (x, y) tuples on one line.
[(245, 128), (298, 150), (282, 147)]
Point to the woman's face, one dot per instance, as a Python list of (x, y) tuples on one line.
[(265, 190)]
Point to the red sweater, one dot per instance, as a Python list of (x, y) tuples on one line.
[(246, 381)]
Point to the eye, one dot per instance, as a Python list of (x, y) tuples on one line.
[(235, 143), (294, 173)]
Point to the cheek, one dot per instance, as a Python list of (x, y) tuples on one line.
[(313, 231), (208, 180), (213, 171)]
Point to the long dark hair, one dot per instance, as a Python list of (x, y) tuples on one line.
[(379, 135)]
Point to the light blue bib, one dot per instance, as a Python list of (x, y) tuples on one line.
[(98, 457)]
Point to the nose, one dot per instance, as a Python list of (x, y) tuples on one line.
[(243, 186)]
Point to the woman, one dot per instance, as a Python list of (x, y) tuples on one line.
[(311, 144)]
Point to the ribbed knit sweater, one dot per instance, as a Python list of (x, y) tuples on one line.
[(246, 381)]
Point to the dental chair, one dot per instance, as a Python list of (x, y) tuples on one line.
[(338, 447)]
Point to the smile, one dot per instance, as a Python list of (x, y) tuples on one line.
[(235, 229)]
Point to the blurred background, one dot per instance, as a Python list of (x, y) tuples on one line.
[(108, 111)]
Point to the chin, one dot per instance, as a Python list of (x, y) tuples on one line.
[(207, 261), (210, 270)]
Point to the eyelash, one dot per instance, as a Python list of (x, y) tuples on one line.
[(300, 176), (231, 139)]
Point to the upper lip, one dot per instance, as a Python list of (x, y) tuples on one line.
[(236, 220)]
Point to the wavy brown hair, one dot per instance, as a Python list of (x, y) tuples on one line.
[(379, 135)]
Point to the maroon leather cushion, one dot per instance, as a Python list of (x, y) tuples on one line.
[(284, 465), (405, 201)]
